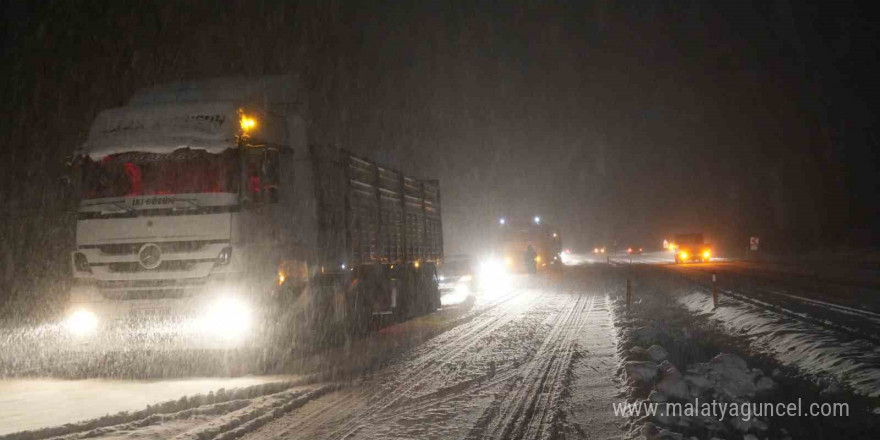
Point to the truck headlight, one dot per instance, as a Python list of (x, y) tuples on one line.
[(81, 322), (225, 256), (227, 317)]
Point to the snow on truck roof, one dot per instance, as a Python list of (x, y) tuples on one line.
[(163, 128), (197, 115)]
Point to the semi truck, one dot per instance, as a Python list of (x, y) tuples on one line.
[(205, 204), (691, 248), (513, 237)]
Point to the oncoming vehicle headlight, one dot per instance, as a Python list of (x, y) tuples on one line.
[(491, 269), (227, 317), (683, 255), (81, 322), (707, 254)]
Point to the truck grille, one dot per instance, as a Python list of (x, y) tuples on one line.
[(165, 266), (150, 284), (131, 295), (166, 246)]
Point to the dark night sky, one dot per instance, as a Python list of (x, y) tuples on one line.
[(631, 121), (614, 120)]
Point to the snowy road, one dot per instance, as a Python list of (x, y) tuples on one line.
[(506, 374), (529, 360)]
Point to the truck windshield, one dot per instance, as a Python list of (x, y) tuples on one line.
[(183, 171), (689, 239)]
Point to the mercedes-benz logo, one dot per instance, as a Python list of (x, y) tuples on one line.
[(150, 256)]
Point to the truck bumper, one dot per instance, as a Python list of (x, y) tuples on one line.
[(216, 313)]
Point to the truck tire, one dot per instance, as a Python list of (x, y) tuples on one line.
[(430, 291), (360, 314), (408, 294)]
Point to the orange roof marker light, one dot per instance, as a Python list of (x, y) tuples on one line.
[(247, 123)]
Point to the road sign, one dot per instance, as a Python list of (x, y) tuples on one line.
[(753, 243)]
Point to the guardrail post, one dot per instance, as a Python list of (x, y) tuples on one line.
[(628, 294), (714, 291)]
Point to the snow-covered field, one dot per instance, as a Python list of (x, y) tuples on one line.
[(816, 349), (770, 340)]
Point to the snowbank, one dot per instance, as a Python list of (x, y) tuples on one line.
[(812, 349)]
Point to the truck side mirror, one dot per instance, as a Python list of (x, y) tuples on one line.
[(271, 175)]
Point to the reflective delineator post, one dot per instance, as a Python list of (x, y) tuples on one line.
[(714, 292), (628, 294)]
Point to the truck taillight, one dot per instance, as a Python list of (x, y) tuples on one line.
[(225, 256), (81, 263)]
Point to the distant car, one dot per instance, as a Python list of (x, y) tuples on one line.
[(457, 273), (634, 250), (599, 250)]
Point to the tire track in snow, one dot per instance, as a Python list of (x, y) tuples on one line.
[(530, 409), (344, 412), (428, 365)]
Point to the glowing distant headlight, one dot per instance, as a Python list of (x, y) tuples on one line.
[(82, 322), (707, 254), (227, 317), (683, 255)]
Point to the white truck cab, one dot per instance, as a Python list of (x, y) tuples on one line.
[(186, 211), (205, 211)]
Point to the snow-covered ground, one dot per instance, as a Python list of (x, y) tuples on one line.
[(530, 358), (772, 339), (27, 404), (540, 357)]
